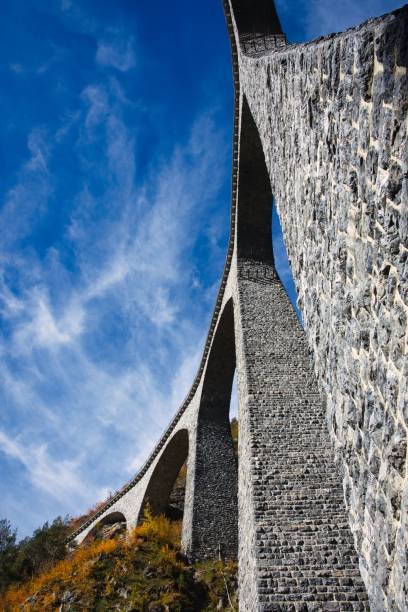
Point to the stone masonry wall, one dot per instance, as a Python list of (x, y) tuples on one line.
[(332, 116), (292, 513), (215, 504)]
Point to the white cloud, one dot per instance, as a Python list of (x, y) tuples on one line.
[(132, 246), (27, 200), (60, 479), (180, 385), (97, 100), (117, 52), (10, 305), (41, 327)]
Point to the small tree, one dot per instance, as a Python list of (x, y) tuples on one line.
[(8, 550), (46, 546)]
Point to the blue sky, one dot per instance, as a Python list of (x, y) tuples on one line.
[(115, 148)]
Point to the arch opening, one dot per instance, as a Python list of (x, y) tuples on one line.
[(175, 507), (259, 233), (215, 515), (161, 493), (281, 260), (110, 526), (254, 226), (233, 414)]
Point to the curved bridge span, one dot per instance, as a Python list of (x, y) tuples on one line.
[(308, 511)]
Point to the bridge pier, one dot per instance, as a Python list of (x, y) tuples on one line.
[(295, 545), (214, 503)]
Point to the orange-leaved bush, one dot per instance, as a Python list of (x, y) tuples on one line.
[(74, 568), (158, 529), (147, 569)]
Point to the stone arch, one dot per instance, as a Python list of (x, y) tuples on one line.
[(165, 473), (220, 370), (257, 208), (109, 519), (215, 510)]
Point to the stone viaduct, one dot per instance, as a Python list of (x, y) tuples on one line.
[(316, 510)]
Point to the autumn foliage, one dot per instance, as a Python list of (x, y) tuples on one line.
[(74, 568), (145, 570)]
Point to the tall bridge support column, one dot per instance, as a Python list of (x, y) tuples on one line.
[(211, 505), (296, 550)]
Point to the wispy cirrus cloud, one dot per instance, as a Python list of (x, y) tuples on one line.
[(116, 50), (27, 200), (60, 479), (106, 354)]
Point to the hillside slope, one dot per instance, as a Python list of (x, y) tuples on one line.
[(145, 572)]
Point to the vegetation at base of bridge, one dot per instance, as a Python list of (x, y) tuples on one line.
[(19, 562), (145, 572), (234, 435)]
